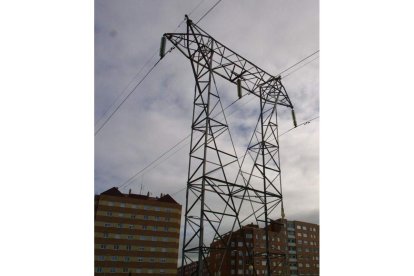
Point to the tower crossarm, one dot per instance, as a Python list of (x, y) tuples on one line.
[(228, 64)]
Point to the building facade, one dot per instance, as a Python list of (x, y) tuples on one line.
[(136, 234), (293, 247), (303, 248)]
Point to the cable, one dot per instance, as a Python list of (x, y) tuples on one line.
[(118, 97), (129, 94), (123, 91), (299, 68), (183, 139), (132, 177), (298, 62), (209, 10), (303, 123)]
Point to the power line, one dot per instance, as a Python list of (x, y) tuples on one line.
[(126, 183), (301, 124), (299, 68), (158, 158), (123, 91), (299, 62), (209, 10), (129, 94), (171, 49)]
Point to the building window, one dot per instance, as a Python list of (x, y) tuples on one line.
[(116, 246), (249, 236), (103, 246), (101, 258), (141, 249), (126, 259), (144, 227), (109, 214), (114, 258), (138, 270), (121, 214), (146, 207), (305, 235), (304, 227), (166, 229), (145, 217), (298, 227), (120, 225), (152, 249), (163, 260), (152, 260), (125, 269), (240, 244), (162, 271), (154, 238), (107, 225), (99, 269), (157, 209), (154, 228), (113, 270), (134, 206), (140, 259), (130, 237), (164, 239), (110, 203), (128, 247), (131, 226), (122, 204), (149, 271), (167, 219), (117, 236), (164, 250), (105, 235), (307, 265), (157, 218)]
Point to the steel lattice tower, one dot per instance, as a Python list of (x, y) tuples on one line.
[(224, 193)]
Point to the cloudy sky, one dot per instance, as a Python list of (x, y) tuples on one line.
[(157, 115)]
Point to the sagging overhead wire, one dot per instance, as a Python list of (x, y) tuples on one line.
[(301, 124), (148, 72), (300, 61), (129, 181)]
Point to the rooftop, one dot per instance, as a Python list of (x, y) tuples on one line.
[(163, 198)]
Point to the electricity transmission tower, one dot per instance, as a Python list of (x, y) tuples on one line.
[(224, 193)]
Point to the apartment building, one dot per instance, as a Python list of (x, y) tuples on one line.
[(136, 234), (293, 247), (303, 248)]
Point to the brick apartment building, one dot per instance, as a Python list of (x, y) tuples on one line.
[(294, 248), (136, 234)]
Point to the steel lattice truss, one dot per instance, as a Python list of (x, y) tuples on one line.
[(224, 193)]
